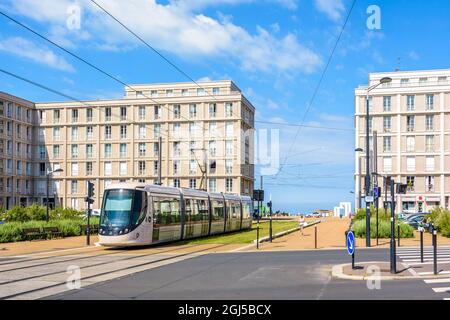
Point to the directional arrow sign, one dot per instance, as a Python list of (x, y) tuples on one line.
[(350, 243)]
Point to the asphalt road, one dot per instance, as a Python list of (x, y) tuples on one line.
[(256, 276)]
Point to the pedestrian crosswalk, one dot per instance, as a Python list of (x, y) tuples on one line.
[(412, 257)]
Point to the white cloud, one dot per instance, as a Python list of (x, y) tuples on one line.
[(333, 9), (26, 49), (177, 29), (413, 55)]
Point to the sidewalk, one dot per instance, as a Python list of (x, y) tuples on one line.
[(331, 234)]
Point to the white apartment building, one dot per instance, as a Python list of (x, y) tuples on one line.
[(210, 128), (411, 116)]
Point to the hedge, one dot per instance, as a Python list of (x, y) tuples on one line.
[(441, 220), (12, 231), (384, 229)]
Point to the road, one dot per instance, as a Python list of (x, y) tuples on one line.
[(254, 275)]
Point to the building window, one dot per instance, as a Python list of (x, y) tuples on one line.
[(74, 186), (193, 183), (89, 151), (410, 164), (387, 104), (212, 185), (229, 185), (157, 112), (74, 151), (141, 167), (90, 132), (123, 113), (157, 130), (429, 184), (156, 149), (176, 129), (56, 134), (142, 131), (89, 114), (410, 144), (387, 124), (123, 132), (56, 151), (423, 81), (154, 93), (176, 183), (74, 115), (216, 91), (108, 168), (122, 168), (193, 129), (192, 111), (192, 166), (108, 114), (89, 168), (429, 143), (228, 110), (387, 164), (229, 129), (410, 182), (430, 102), (387, 144), (229, 147), (142, 149), (404, 82), (56, 116), (442, 80), (74, 133), (141, 112), (212, 110), (410, 103), (176, 111), (429, 164), (228, 166), (213, 129), (108, 131), (74, 169), (410, 123), (123, 150), (108, 150), (176, 167), (177, 148), (200, 92), (169, 93), (429, 123), (155, 167), (212, 148)]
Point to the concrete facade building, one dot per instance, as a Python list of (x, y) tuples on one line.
[(411, 116), (106, 141)]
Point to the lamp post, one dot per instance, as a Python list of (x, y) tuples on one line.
[(49, 173), (367, 176)]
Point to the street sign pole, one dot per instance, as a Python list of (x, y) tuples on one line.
[(392, 246)]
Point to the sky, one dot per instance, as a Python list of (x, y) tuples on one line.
[(275, 51)]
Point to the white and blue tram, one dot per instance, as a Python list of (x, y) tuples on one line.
[(137, 214)]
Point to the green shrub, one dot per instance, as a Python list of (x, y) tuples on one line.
[(16, 213), (12, 231), (441, 220), (384, 229), (36, 212), (66, 213)]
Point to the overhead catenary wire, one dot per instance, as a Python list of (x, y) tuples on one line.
[(319, 84)]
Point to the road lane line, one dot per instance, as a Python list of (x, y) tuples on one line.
[(444, 280), (441, 290)]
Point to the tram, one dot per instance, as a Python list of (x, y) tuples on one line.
[(134, 214)]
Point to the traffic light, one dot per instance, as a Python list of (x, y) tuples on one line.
[(90, 192)]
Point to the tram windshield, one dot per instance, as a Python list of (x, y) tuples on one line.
[(123, 208)]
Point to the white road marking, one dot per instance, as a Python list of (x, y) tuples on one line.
[(441, 290), (443, 280)]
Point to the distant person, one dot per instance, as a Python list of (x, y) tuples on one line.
[(302, 223)]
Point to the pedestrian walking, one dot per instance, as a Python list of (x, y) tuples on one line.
[(302, 223)]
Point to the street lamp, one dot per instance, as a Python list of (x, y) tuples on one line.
[(358, 203), (367, 177), (49, 173)]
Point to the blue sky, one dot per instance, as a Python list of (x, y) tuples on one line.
[(274, 50)]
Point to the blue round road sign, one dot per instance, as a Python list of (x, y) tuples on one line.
[(350, 242)]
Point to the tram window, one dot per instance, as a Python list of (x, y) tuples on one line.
[(191, 210), (203, 209), (245, 210), (140, 204), (166, 210), (218, 210)]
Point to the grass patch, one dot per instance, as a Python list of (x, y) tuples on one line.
[(245, 237), (384, 229)]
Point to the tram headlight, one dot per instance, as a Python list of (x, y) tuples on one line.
[(126, 230)]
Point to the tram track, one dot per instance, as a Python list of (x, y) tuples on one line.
[(84, 258), (11, 296), (72, 259)]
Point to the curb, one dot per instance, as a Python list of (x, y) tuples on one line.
[(284, 233), (337, 272)]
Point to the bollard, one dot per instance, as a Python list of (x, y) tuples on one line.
[(421, 244), (315, 237), (257, 235), (435, 251), (398, 235)]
